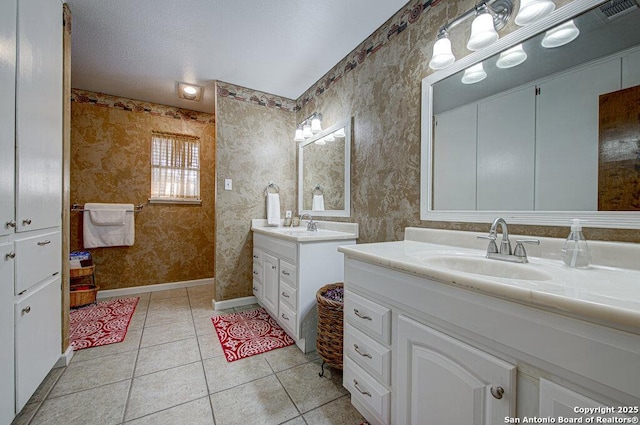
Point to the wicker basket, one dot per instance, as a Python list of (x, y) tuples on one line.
[(330, 327), (80, 272), (79, 297)]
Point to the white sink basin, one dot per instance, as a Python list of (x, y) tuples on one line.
[(486, 267)]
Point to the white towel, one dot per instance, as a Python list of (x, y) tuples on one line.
[(318, 203), (273, 209), (106, 225)]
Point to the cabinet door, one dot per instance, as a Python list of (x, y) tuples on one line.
[(39, 115), (7, 114), (444, 381), (567, 137), (7, 387), (37, 338), (270, 280)]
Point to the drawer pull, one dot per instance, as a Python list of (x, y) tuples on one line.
[(255, 272), (273, 267), (355, 384), (360, 315), (43, 243), (254, 289), (11, 255), (284, 294), (284, 317), (26, 310), (355, 347), (11, 223), (26, 221), (256, 257), (286, 273), (497, 392)]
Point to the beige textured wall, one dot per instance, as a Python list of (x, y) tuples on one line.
[(382, 93), (110, 162), (254, 145)]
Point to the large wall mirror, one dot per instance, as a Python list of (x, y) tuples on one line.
[(324, 163), (552, 138)]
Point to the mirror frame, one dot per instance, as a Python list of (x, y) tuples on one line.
[(603, 219), (346, 212)]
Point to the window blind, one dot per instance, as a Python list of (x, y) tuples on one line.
[(175, 167)]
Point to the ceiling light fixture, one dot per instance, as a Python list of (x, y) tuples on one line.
[(562, 34), (490, 16), (308, 127), (533, 10), (189, 91), (512, 57)]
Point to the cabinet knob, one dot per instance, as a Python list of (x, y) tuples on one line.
[(256, 257), (255, 272), (26, 221), (11, 255), (11, 223), (26, 310), (273, 267), (497, 392)]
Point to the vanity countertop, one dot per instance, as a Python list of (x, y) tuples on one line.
[(600, 293), (327, 231)]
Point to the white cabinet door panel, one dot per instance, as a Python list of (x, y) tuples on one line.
[(37, 258), (567, 137), (7, 383), (7, 112), (506, 150), (38, 339), (39, 115), (270, 281)]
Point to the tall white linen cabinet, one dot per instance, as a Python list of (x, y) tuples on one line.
[(31, 121)]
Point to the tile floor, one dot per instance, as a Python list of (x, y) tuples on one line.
[(170, 370)]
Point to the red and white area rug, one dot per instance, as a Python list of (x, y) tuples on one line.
[(103, 323), (247, 333)]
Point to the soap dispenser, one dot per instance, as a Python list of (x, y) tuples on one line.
[(575, 251)]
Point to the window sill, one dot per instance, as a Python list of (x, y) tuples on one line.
[(175, 201)]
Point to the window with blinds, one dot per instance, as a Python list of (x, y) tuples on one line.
[(175, 168)]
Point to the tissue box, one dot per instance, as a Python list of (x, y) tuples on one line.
[(78, 259)]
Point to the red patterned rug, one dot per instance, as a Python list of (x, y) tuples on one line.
[(103, 323), (247, 333)]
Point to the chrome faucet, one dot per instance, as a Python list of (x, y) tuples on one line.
[(519, 255), (312, 226)]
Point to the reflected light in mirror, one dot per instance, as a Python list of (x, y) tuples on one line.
[(442, 55), (306, 131), (299, 137), (474, 74), (560, 35), (483, 33), (329, 138), (533, 10), (339, 133), (512, 57), (320, 142)]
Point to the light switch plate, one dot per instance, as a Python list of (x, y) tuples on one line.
[(228, 185)]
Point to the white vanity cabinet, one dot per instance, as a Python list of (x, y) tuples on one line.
[(286, 276)]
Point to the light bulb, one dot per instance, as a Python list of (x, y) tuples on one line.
[(474, 74), (512, 57), (442, 55), (299, 137), (483, 33), (533, 10), (560, 35), (306, 131), (316, 126)]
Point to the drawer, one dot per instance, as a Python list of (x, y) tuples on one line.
[(287, 319), (288, 297), (257, 271), (368, 316), (372, 356), (37, 258), (288, 274), (367, 390), (257, 289), (257, 256), (279, 247)]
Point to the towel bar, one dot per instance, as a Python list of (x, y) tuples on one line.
[(318, 187), (79, 208)]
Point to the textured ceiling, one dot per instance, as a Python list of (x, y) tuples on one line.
[(141, 49)]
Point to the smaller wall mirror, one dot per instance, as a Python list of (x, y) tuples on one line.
[(324, 185)]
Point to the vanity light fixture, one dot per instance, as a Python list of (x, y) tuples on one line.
[(490, 16), (329, 138), (533, 10), (189, 91), (339, 133), (512, 57), (308, 127), (562, 34), (474, 74), (321, 142)]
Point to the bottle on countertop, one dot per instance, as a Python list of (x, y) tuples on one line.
[(575, 251)]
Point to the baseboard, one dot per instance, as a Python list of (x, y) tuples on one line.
[(107, 293), (65, 358), (236, 302)]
